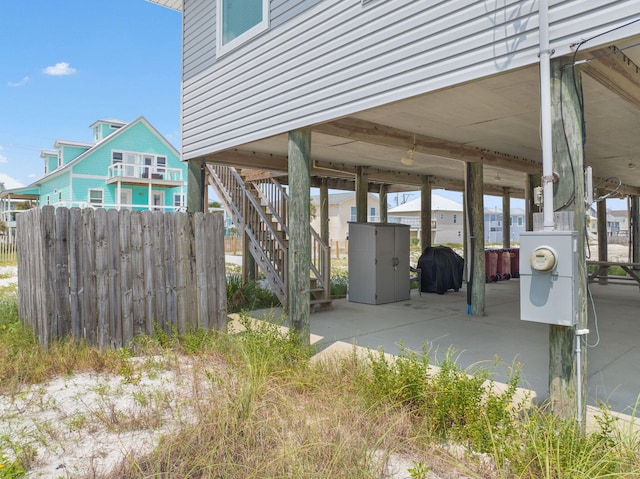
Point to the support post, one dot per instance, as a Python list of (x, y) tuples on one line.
[(567, 385), (533, 181), (362, 193), (603, 241), (474, 208), (249, 265), (195, 186), (384, 204), (425, 212), (634, 228), (506, 218), (324, 211), (299, 234)]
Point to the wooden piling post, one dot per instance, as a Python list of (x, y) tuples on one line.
[(384, 204), (425, 212), (603, 241), (474, 208), (362, 194), (634, 228), (299, 234), (568, 164), (195, 186), (324, 211), (533, 181), (506, 218)]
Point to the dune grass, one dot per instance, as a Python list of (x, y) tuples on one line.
[(262, 408)]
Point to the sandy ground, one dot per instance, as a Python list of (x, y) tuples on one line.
[(86, 424), (11, 272)]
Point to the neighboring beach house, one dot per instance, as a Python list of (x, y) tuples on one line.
[(494, 225), (613, 223), (447, 219), (622, 218), (342, 209), (128, 165)]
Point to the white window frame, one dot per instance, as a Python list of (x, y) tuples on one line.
[(222, 48), (59, 158), (162, 203), (126, 198), (181, 201), (93, 190)]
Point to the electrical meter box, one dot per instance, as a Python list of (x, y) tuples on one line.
[(548, 277)]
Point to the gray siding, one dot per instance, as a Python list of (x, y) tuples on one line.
[(340, 57), (199, 26)]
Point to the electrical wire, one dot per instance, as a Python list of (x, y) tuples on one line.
[(572, 198), (580, 94), (610, 194), (595, 321)]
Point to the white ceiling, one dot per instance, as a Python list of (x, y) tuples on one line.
[(498, 114)]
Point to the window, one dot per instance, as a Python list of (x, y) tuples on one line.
[(455, 218), (239, 21), (157, 200), (48, 199), (178, 201), (95, 197), (459, 234), (116, 157), (519, 220), (60, 197), (126, 196), (441, 216), (59, 158), (353, 213), (161, 164)]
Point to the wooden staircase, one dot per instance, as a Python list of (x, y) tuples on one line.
[(258, 207)]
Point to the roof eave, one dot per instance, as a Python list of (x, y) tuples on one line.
[(172, 4)]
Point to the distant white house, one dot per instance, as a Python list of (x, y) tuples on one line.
[(342, 209), (622, 218), (613, 223), (447, 220), (494, 224)]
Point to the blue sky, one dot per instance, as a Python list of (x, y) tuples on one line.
[(66, 63)]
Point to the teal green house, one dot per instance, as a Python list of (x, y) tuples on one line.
[(128, 165)]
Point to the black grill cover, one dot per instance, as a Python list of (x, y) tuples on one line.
[(442, 270)]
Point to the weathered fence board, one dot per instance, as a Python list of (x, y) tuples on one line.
[(126, 289), (75, 270), (106, 276)]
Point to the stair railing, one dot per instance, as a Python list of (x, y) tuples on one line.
[(267, 245)]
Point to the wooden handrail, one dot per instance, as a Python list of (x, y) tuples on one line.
[(268, 201)]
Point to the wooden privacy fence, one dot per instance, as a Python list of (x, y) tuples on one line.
[(7, 250), (108, 275)]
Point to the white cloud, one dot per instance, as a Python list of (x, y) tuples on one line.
[(4, 159), (9, 182), (32, 175), (17, 84), (59, 69)]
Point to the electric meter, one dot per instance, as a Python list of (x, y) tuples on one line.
[(549, 277), (543, 259)]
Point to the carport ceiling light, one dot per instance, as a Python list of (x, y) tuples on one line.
[(408, 160)]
